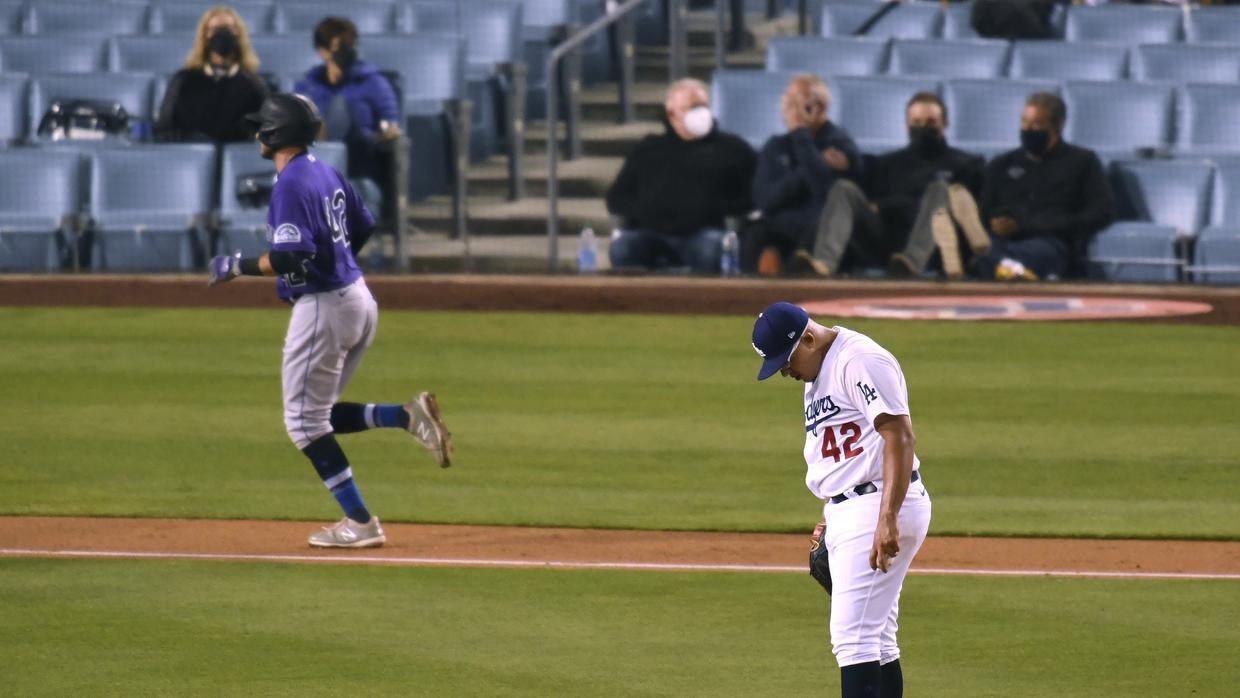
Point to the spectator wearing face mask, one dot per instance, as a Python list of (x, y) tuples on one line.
[(1043, 201), (795, 171), (676, 188), (207, 100), (344, 83), (918, 200)]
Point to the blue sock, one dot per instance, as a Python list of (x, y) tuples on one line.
[(351, 501), (387, 416), (333, 468)]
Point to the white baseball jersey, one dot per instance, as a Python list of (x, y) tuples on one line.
[(859, 381)]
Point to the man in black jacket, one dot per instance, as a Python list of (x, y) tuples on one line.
[(676, 188), (1042, 201), (921, 198), (795, 171)]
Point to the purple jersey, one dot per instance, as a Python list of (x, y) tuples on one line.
[(314, 210)]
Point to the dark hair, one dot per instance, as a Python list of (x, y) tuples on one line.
[(927, 98), (1052, 104), (331, 27)]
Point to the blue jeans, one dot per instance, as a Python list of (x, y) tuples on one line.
[(645, 249), (1043, 256)]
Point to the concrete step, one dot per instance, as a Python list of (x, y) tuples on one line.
[(587, 177), (598, 138), (653, 68), (601, 102), (499, 217)]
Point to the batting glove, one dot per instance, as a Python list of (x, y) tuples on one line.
[(224, 267)]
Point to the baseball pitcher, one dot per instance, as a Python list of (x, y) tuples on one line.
[(316, 224), (860, 463)]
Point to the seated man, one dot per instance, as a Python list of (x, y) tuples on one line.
[(795, 171), (676, 188), (920, 199), (1042, 201)]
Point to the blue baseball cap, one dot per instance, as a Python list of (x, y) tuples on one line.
[(776, 333)]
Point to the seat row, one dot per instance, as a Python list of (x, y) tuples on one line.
[(1128, 24), (139, 208), (983, 58), (1118, 119)]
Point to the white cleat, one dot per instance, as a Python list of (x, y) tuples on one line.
[(348, 533), (427, 427)]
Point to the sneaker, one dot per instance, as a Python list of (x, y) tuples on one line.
[(1011, 270), (964, 210), (769, 262), (805, 263), (901, 267), (944, 233), (348, 533), (427, 427)]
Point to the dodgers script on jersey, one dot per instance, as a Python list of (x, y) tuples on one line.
[(312, 210), (859, 381)]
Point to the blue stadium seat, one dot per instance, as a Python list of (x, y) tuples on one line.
[(40, 197), (289, 55), (1216, 255), (872, 109), (958, 21), (828, 56), (14, 108), (949, 59), (746, 103), (12, 17), (1057, 60), (183, 17), (909, 21), (149, 54), (86, 19), (1118, 117), (52, 54), (1216, 24), (301, 16), (1170, 202), (131, 90), (1208, 117), (984, 115), (1124, 24), (136, 231), (1186, 63)]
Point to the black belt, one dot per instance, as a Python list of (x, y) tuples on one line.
[(865, 488)]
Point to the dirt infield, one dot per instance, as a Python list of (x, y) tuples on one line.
[(415, 544), (612, 294)]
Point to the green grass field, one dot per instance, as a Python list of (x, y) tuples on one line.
[(169, 628), (619, 421)]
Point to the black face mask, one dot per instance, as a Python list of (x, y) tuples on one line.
[(345, 58), (926, 140), (224, 42), (1035, 141)]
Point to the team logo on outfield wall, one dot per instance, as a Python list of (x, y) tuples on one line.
[(1004, 308)]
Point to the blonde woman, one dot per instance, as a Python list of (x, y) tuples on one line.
[(207, 99)]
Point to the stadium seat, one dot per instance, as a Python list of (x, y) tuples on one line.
[(949, 59), (1057, 60), (1213, 24), (1124, 24), (40, 198), (149, 54), (828, 56), (958, 21), (1207, 119), (1186, 63), (1170, 202), (131, 90), (289, 55), (301, 16), (175, 17), (12, 16), (909, 21), (136, 231), (86, 19), (746, 103), (984, 115), (1216, 256), (14, 108), (872, 109), (51, 54), (1118, 117)]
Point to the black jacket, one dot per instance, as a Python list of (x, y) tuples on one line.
[(1065, 195), (199, 108), (679, 187), (793, 179), (897, 181)]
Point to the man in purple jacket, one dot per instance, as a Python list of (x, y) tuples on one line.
[(367, 96), (316, 223)]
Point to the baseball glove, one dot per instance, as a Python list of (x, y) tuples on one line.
[(819, 567)]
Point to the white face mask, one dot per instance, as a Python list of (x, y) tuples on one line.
[(698, 121)]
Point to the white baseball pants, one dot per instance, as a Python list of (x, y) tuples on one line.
[(328, 334), (865, 603)]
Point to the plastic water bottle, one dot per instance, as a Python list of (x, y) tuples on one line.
[(587, 252), (729, 263)]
